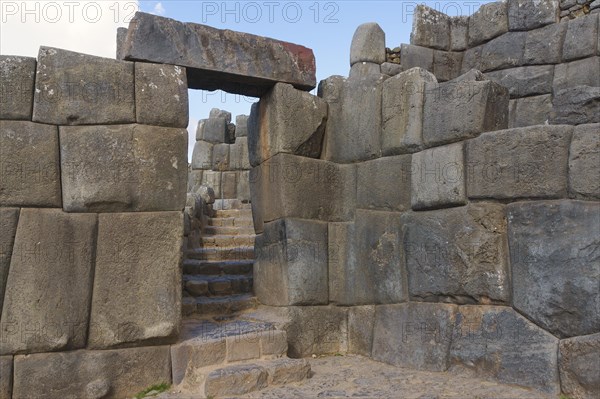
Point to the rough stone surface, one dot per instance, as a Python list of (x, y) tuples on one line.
[(505, 51), (29, 165), (51, 267), (526, 162), (581, 39), (137, 288), (544, 45), (579, 366), (100, 374), (361, 320), (220, 59), (287, 371), (212, 179), (80, 89), (238, 154), (459, 27), (416, 56), (584, 161), (384, 183), (438, 177), (290, 121), (415, 335), (190, 356), (317, 330), (17, 77), (402, 111), (458, 255), (202, 155), (6, 369), (585, 72), (220, 157), (220, 113), (366, 260), (368, 44), (161, 95), (555, 271), (576, 105), (291, 263), (531, 14), (241, 126), (362, 69), (525, 81), (461, 110), (391, 69), (447, 64), (213, 130), (529, 111), (123, 168), (235, 380), (8, 226), (352, 136), (489, 21), (497, 342), (431, 28)]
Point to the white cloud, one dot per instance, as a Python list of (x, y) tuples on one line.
[(159, 9), (84, 26)]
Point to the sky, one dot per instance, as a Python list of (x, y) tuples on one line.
[(325, 26)]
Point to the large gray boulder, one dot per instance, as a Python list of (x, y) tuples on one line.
[(361, 320), (6, 377), (8, 226), (525, 81), (431, 28), (137, 287), (236, 62), (366, 260), (123, 168), (119, 373), (17, 77), (51, 267), (459, 27), (581, 39), (545, 45), (368, 44), (529, 111), (30, 165), (202, 156), (555, 271), (79, 89), (578, 365), (488, 22), (416, 57), (447, 64), (584, 72), (316, 330), (458, 255), (531, 14), (517, 163), (576, 105), (384, 183), (584, 158), (505, 51)]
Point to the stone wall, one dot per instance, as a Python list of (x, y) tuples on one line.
[(406, 216), (92, 186)]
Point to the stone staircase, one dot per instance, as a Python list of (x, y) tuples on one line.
[(217, 277)]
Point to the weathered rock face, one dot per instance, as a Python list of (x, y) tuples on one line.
[(529, 111), (519, 163), (489, 21), (581, 39), (458, 255), (8, 226), (415, 335), (578, 365), (525, 81), (577, 105), (447, 64), (219, 59), (6, 369), (290, 121), (29, 165), (51, 267), (584, 72), (123, 168), (361, 320), (531, 14), (431, 28), (291, 263), (368, 44), (403, 97), (584, 158), (384, 183), (100, 374), (202, 155), (555, 268), (137, 287), (416, 57), (366, 260), (80, 89), (161, 96), (544, 45), (497, 342), (317, 330), (17, 76)]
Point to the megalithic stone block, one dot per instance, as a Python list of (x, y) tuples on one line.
[(584, 158), (368, 44), (403, 100), (416, 56), (238, 154), (431, 28), (384, 183), (220, 113), (6, 376), (315, 330), (30, 165), (123, 168), (161, 95), (8, 226), (289, 121), (461, 110), (576, 105), (241, 126), (137, 285), (220, 157), (213, 130), (577, 362), (52, 267), (17, 77), (459, 27), (202, 155), (291, 263), (531, 14), (581, 38), (585, 72), (489, 21), (544, 45), (525, 81), (219, 59), (80, 89)]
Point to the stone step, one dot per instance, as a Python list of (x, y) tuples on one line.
[(240, 379), (217, 268), (218, 253), (199, 286), (228, 230), (218, 305), (231, 222), (233, 213), (227, 240), (230, 204)]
